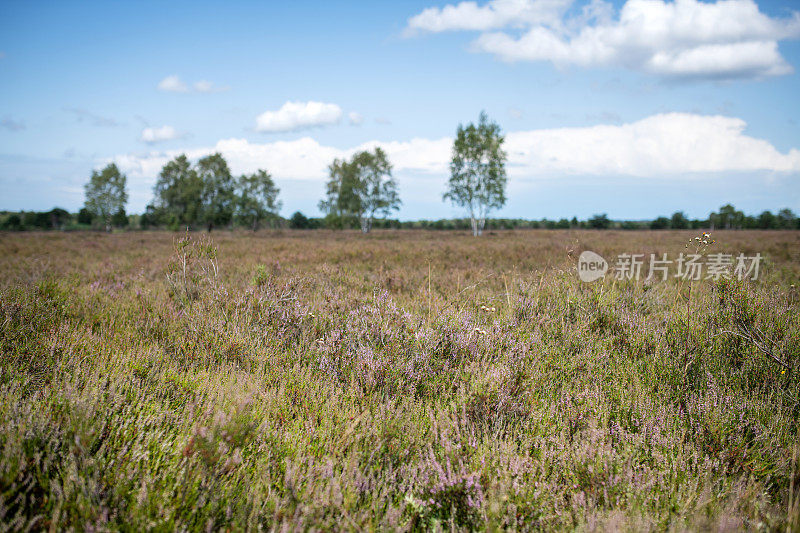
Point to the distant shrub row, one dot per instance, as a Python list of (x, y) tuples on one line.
[(726, 218)]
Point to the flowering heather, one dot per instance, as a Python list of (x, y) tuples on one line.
[(394, 381)]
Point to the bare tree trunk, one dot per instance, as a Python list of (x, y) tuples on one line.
[(477, 225), (366, 224)]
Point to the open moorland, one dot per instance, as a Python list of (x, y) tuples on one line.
[(399, 380)]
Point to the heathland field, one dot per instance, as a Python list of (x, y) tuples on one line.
[(395, 381)]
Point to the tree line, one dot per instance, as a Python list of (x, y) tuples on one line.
[(360, 192), (60, 219), (207, 195)]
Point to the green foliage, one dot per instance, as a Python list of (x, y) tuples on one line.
[(599, 222), (120, 219), (362, 188), (218, 445), (299, 221), (13, 222), (562, 224), (766, 220), (106, 194), (159, 217), (59, 218), (84, 216), (630, 225), (55, 219), (257, 198), (178, 196), (261, 276), (787, 219), (727, 218), (679, 221), (207, 195), (376, 189), (477, 171), (660, 223), (218, 191)]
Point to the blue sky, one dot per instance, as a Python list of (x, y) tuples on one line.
[(632, 108)]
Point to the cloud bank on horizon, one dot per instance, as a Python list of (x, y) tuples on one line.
[(727, 39), (663, 145)]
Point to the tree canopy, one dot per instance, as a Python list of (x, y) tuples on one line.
[(178, 195), (206, 194), (361, 188), (219, 191), (477, 171), (257, 198), (106, 194)]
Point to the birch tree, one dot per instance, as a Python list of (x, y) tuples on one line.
[(477, 171), (106, 194), (361, 188)]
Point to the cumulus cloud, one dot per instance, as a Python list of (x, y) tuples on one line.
[(493, 15), (173, 84), (664, 145), (294, 116), (156, 135), (301, 159), (725, 39), (676, 145)]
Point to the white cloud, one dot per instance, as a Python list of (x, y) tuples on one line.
[(430, 156), (356, 119), (204, 86), (173, 84), (677, 145), (494, 15), (155, 135), (301, 159), (298, 115), (670, 144), (682, 38)]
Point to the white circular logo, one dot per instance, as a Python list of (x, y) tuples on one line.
[(591, 266)]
